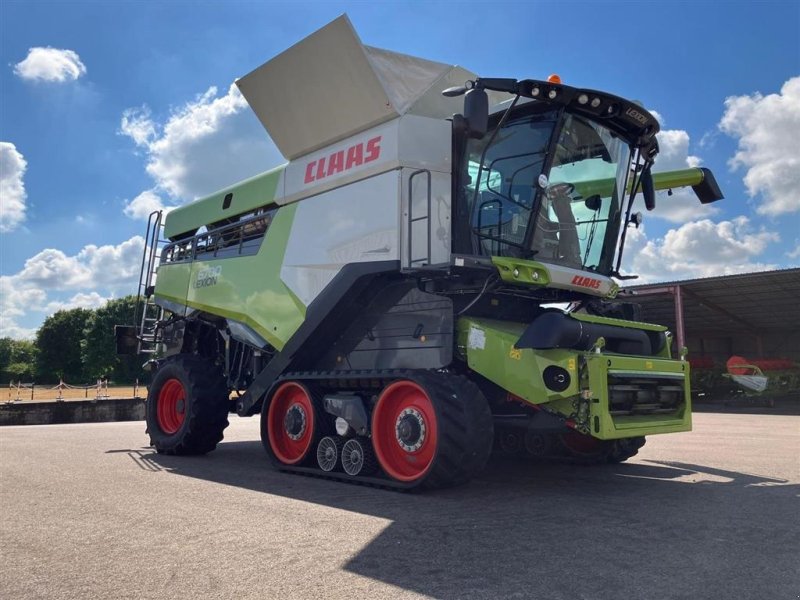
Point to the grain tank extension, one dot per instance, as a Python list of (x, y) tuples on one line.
[(384, 301)]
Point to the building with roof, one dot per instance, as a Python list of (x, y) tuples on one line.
[(755, 315)]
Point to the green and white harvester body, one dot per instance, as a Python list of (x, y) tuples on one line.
[(430, 277)]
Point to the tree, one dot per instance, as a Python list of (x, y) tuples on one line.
[(98, 346), (6, 347), (17, 360), (58, 342)]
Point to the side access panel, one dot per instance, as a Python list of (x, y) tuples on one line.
[(401, 328)]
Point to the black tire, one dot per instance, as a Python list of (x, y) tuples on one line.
[(465, 429), (196, 425), (621, 450)]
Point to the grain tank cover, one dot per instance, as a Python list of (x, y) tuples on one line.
[(330, 86)]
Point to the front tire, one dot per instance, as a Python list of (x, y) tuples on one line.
[(187, 406)]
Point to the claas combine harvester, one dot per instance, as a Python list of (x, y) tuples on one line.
[(385, 300)]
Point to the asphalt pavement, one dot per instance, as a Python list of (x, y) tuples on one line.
[(89, 511)]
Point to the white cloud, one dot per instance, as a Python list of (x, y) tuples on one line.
[(659, 117), (79, 300), (12, 187), (16, 298), (51, 269), (137, 124), (209, 143), (50, 64), (674, 151), (9, 328), (768, 130), (701, 248), (144, 204), (93, 274), (796, 252), (682, 205)]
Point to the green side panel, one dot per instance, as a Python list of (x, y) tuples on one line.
[(488, 347), (172, 282), (247, 289), (247, 196)]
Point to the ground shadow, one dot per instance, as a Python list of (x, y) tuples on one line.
[(523, 530)]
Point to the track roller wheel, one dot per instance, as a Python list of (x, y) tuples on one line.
[(358, 458), (509, 441), (187, 406), (538, 445), (329, 451), (290, 424), (432, 429)]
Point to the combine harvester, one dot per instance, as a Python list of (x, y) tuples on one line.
[(382, 299)]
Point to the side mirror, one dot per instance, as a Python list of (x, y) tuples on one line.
[(594, 203), (476, 112), (648, 189)]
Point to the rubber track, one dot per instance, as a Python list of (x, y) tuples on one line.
[(464, 420), (208, 413)]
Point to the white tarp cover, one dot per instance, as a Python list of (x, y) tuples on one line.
[(329, 86)]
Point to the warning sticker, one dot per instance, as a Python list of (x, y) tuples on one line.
[(477, 339)]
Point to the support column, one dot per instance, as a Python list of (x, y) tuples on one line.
[(680, 333)]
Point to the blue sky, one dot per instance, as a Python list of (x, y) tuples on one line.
[(132, 108)]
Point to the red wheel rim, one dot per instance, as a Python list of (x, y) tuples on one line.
[(291, 423), (404, 431), (171, 406), (581, 444)]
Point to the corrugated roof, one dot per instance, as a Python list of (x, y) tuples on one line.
[(767, 301)]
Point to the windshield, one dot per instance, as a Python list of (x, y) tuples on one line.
[(577, 214)]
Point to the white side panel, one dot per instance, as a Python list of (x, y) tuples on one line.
[(354, 223), (410, 141), (359, 156), (425, 143)]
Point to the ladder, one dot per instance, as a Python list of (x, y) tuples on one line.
[(148, 314), (423, 261)]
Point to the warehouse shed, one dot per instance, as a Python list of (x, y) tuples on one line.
[(756, 315)]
